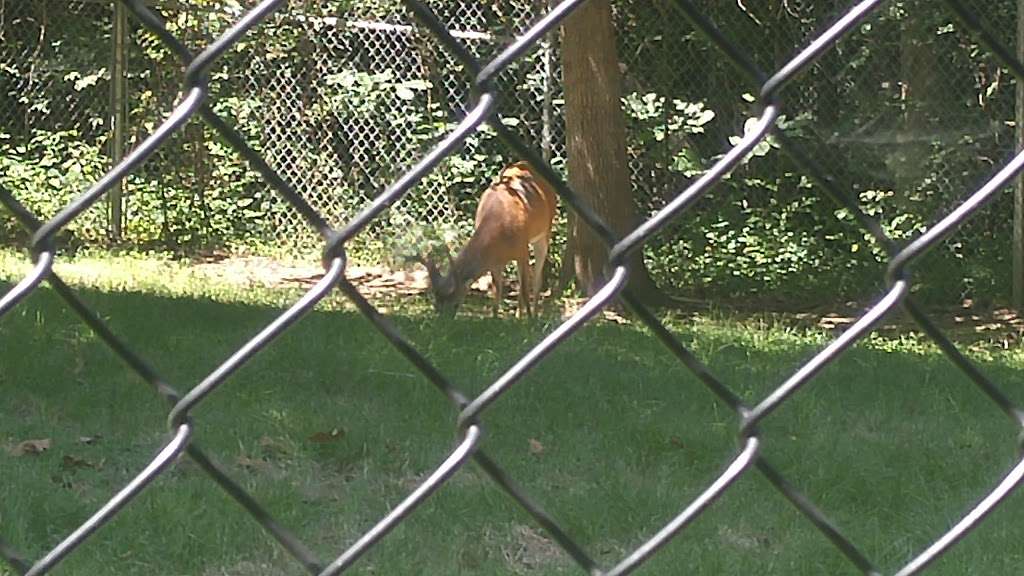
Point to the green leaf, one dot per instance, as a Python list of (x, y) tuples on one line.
[(762, 148), (705, 117), (404, 93)]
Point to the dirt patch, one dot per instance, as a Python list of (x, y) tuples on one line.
[(529, 550), (247, 568), (372, 281), (966, 324), (254, 271), (743, 539)]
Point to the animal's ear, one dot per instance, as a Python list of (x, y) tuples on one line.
[(441, 284), (432, 272)]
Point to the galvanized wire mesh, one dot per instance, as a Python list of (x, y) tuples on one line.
[(369, 137), (43, 64), (54, 93), (472, 412)]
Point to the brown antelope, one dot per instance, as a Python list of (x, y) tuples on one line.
[(514, 212)]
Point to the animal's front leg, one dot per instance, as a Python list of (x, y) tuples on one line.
[(523, 267), (498, 282)]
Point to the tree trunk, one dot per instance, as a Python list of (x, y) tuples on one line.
[(596, 134), (830, 66), (918, 66)]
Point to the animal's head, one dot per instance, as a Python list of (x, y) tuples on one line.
[(447, 289)]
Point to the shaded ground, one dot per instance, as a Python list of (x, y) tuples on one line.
[(330, 428), (1001, 327)]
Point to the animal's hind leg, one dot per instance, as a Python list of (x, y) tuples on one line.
[(540, 250)]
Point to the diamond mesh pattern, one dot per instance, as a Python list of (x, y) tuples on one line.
[(473, 411)]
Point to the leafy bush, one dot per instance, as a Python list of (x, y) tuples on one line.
[(45, 174)]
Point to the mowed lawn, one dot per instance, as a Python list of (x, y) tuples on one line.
[(329, 428)]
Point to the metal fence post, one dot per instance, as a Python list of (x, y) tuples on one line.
[(1018, 197), (118, 114), (547, 46)]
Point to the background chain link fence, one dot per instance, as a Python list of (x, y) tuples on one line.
[(749, 456), (904, 113), (42, 61)]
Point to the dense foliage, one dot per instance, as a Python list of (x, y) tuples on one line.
[(907, 115)]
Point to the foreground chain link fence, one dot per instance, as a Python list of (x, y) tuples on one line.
[(471, 420)]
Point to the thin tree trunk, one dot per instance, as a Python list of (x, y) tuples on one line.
[(596, 133), (566, 271), (918, 63)]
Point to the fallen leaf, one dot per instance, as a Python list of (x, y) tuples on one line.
[(31, 447), (1004, 314), (88, 440), (536, 448), (615, 317), (70, 462), (677, 442), (252, 463), (273, 447), (325, 437)]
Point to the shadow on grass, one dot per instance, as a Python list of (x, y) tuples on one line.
[(329, 428)]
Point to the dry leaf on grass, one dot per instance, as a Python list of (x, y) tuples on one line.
[(325, 437), (88, 440), (72, 463), (536, 448), (530, 550), (274, 448), (30, 447), (252, 464)]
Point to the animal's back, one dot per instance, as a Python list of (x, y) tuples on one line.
[(525, 198)]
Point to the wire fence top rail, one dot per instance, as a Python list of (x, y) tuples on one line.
[(194, 100)]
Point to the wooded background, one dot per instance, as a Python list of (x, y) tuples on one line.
[(908, 115)]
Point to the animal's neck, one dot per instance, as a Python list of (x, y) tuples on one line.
[(467, 265)]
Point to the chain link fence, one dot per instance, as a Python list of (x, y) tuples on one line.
[(43, 59), (55, 103), (195, 99), (904, 112)]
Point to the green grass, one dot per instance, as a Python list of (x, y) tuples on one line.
[(891, 441)]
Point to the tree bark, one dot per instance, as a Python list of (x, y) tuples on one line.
[(918, 93), (596, 139)]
